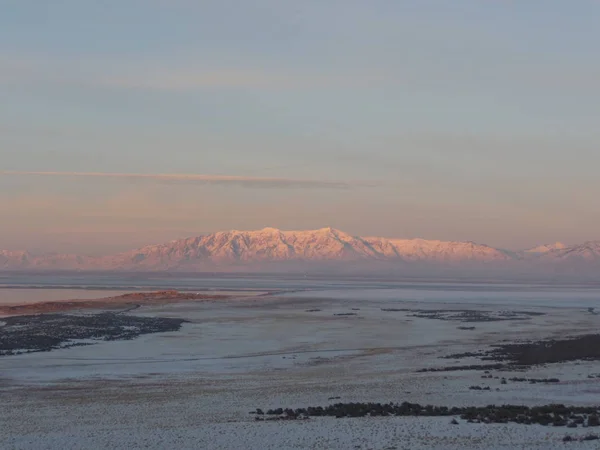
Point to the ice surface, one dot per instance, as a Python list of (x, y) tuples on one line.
[(195, 388), (500, 295)]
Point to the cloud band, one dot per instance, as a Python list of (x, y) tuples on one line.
[(201, 179)]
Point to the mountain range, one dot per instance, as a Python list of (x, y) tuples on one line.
[(271, 248)]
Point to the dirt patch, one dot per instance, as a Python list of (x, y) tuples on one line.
[(128, 301)]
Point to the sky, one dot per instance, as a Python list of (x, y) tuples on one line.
[(132, 122)]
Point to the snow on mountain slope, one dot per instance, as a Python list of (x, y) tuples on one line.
[(327, 245), (437, 251), (268, 244), (541, 249), (587, 252)]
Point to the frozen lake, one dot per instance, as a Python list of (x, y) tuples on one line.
[(361, 341), (467, 294), (24, 288)]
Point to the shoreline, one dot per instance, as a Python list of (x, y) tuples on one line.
[(133, 300)]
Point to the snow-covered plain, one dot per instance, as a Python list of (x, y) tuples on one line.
[(195, 388)]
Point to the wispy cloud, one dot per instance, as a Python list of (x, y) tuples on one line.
[(506, 73), (193, 79), (116, 74), (200, 179)]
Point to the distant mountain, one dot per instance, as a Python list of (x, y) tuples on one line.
[(546, 248), (273, 245), (436, 251), (14, 259), (271, 248), (587, 252)]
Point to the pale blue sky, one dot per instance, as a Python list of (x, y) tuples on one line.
[(463, 120)]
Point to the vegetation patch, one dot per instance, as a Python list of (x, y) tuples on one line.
[(46, 332), (467, 315), (519, 356), (550, 415), (466, 367)]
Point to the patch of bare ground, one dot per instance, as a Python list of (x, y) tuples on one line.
[(129, 301)]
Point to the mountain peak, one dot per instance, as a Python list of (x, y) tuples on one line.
[(545, 248), (592, 243), (588, 251), (329, 230), (271, 230), (323, 244), (271, 245)]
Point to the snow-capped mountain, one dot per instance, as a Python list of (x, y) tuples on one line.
[(587, 252), (277, 248), (326, 244), (436, 251), (545, 248)]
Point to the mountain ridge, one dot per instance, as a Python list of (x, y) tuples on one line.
[(223, 249)]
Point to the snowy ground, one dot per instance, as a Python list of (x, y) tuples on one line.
[(195, 388)]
